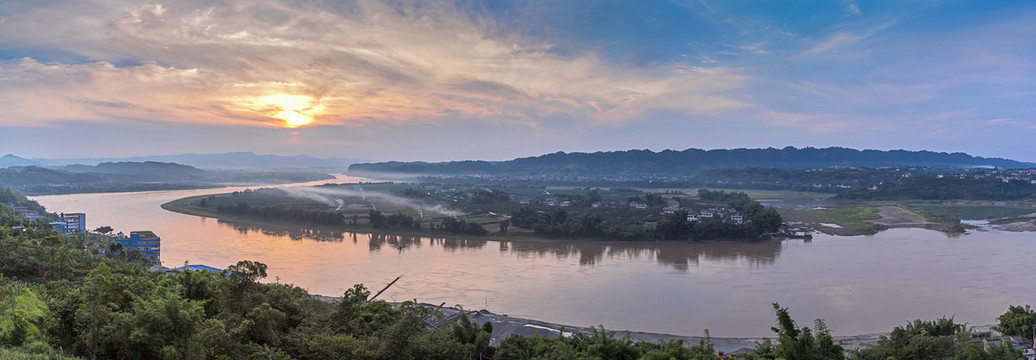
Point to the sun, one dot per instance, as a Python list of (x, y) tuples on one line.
[(294, 110)]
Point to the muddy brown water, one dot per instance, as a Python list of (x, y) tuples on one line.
[(859, 284)]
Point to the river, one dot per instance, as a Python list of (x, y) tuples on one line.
[(858, 284)]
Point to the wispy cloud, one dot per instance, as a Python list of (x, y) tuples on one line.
[(841, 40), (852, 8), (243, 61), (1000, 121)]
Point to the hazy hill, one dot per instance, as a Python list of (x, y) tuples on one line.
[(10, 160), (137, 168), (670, 162), (139, 176), (228, 161), (31, 175)]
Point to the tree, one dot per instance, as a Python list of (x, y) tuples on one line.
[(247, 271), (104, 229), (377, 220), (1017, 320), (800, 344)]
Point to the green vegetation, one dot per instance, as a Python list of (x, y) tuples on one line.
[(852, 219), (1018, 320), (625, 225), (938, 339), (296, 214)]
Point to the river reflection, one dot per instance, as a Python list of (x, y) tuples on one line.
[(296, 233), (680, 256)]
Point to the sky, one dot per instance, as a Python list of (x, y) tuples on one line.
[(449, 80)]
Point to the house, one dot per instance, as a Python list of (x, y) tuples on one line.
[(692, 217), (737, 219), (672, 203), (638, 205), (670, 210), (595, 204), (26, 212), (706, 215)]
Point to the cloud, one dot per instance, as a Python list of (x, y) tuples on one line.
[(1000, 121), (949, 115), (835, 42), (257, 63), (851, 8), (843, 39)]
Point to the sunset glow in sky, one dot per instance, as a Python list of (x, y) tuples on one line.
[(442, 80)]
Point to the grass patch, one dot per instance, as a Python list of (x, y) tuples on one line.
[(33, 351), (852, 219)]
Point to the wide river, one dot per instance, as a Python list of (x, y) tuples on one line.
[(859, 284)]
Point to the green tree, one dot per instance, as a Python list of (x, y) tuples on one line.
[(1018, 320)]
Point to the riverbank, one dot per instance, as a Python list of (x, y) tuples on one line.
[(505, 326)]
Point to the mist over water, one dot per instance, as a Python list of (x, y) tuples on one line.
[(860, 284), (332, 197)]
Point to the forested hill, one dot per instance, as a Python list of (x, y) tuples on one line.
[(671, 162)]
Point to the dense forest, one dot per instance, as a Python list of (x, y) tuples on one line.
[(60, 299), (637, 163)]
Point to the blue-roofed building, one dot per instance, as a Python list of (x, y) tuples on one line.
[(147, 242)]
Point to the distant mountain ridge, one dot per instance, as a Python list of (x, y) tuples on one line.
[(225, 161), (671, 162)]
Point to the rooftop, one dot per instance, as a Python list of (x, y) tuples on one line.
[(144, 233), (193, 268)]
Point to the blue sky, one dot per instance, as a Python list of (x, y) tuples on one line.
[(433, 80)]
